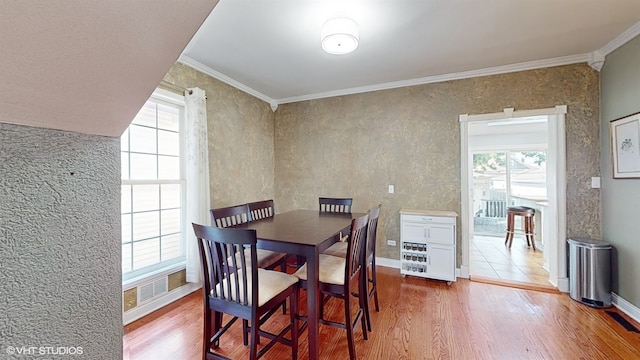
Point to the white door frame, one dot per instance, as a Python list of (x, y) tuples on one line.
[(557, 210)]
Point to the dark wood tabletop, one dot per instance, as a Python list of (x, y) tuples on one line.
[(304, 233)]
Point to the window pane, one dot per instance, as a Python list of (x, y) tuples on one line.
[(126, 258), (168, 117), (124, 141), (126, 228), (125, 203), (168, 143), (146, 197), (124, 163), (147, 115), (171, 247), (144, 167), (146, 253), (170, 221), (169, 167), (143, 139), (170, 195), (146, 225)]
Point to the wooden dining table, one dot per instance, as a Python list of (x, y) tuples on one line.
[(303, 233)]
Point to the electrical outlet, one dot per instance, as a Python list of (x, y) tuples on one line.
[(391, 242)]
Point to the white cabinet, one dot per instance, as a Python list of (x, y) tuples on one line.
[(428, 244)]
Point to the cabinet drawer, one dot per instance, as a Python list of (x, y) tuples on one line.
[(426, 218), (441, 234)]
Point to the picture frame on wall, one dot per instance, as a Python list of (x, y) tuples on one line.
[(625, 146)]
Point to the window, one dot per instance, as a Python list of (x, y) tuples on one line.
[(153, 187)]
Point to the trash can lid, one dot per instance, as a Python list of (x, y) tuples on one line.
[(590, 243)]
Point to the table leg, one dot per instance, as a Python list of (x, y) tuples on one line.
[(313, 303)]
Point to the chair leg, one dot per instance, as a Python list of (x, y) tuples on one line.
[(509, 238), (245, 331), (530, 232), (364, 296), (253, 352), (207, 333), (362, 303), (217, 326), (349, 327), (283, 268), (375, 285), (293, 310)]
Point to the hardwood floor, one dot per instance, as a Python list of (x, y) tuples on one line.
[(419, 319)]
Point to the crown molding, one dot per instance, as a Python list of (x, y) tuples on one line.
[(530, 65), (621, 39), (524, 66), (227, 80)]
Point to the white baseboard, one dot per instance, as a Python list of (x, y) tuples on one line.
[(625, 306), (463, 272), (386, 262), (563, 284), (145, 309)]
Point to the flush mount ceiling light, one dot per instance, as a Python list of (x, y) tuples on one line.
[(339, 36)]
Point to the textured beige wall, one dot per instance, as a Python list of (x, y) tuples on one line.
[(358, 144), (240, 128)]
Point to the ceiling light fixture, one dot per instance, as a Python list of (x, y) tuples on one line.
[(339, 36)]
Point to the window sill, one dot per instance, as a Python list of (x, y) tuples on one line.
[(138, 280)]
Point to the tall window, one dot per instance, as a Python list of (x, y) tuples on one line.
[(153, 188)]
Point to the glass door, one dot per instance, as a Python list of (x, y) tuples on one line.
[(490, 189)]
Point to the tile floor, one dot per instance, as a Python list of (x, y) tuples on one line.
[(490, 258)]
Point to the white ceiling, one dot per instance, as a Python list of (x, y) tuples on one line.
[(88, 66), (271, 49)]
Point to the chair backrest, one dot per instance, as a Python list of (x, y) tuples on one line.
[(335, 205), (230, 216), (356, 248), (374, 214), (261, 209), (226, 275)]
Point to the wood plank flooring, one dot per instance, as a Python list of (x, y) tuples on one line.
[(419, 319)]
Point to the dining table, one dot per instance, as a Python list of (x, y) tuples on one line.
[(305, 233)]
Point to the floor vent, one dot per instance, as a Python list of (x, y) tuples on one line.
[(622, 321), (150, 290)]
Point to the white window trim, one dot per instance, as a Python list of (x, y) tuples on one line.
[(131, 278)]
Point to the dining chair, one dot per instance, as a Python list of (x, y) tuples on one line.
[(240, 214), (369, 279), (339, 277), (335, 205), (261, 209), (242, 290)]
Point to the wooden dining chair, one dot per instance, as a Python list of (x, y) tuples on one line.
[(242, 290), (240, 214), (261, 209), (340, 278), (230, 216), (369, 279), (335, 205)]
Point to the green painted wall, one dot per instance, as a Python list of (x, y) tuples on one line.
[(620, 81)]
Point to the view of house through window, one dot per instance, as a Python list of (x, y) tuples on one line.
[(153, 188), (498, 184)]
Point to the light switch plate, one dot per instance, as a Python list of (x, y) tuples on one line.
[(391, 242), (392, 189), (595, 182)]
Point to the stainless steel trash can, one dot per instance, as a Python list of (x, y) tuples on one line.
[(590, 272)]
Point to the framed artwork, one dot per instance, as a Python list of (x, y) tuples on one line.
[(625, 146)]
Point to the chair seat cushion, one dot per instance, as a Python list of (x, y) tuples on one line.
[(270, 284), (266, 258), (338, 249), (331, 270)]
